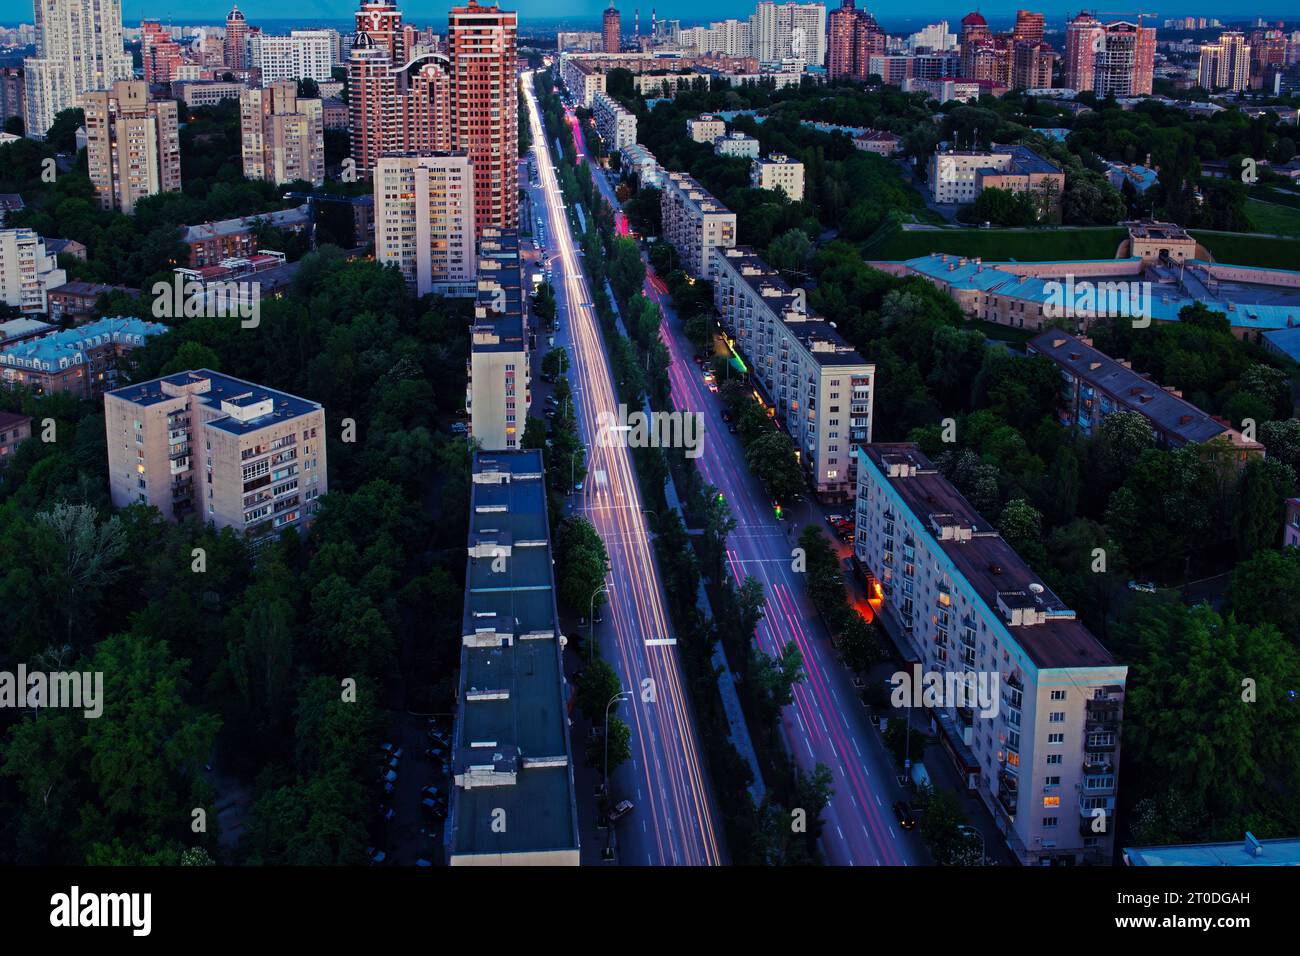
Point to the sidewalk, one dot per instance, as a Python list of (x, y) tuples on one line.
[(940, 766)]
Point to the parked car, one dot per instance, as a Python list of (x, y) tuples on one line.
[(459, 428), (436, 753), (433, 807), (432, 793), (377, 857), (1147, 587), (903, 812), (386, 812), (621, 809), (713, 387), (423, 862)]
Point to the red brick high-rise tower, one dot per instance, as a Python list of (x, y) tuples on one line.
[(484, 108)]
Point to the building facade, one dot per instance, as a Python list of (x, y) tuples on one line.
[(737, 145), (424, 220), (236, 42), (80, 362), (27, 271), (706, 128), (694, 223), (229, 452), (615, 125), (1045, 756), (78, 49), (820, 389), (609, 30), (133, 146), (282, 134), (1097, 386), (959, 176), (481, 41), (778, 171), (303, 54)]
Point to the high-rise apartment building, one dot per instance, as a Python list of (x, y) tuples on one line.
[(133, 145), (1269, 58), (610, 31), (788, 30), (1083, 37), (303, 54), (394, 106), (424, 220), (484, 96), (498, 391), (236, 45), (1114, 59), (27, 271), (12, 93), (229, 452), (615, 125), (1031, 66), (853, 38), (1041, 746), (78, 49), (159, 52), (1125, 64), (1225, 63), (282, 134), (820, 389), (1028, 27), (694, 223)]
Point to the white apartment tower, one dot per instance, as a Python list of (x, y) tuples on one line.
[(820, 389), (1042, 748), (27, 271), (78, 49), (303, 54), (424, 219), (785, 30)]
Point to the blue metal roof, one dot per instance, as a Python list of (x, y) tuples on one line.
[(61, 350)]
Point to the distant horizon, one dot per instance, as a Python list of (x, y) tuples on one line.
[(577, 14)]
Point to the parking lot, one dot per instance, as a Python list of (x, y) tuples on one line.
[(411, 804)]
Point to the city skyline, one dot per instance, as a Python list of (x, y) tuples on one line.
[(213, 12), (794, 435)]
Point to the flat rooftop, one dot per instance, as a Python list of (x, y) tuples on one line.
[(814, 331), (220, 388), (512, 699), (989, 564), (1281, 852)]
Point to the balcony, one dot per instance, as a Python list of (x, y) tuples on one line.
[(1092, 764)]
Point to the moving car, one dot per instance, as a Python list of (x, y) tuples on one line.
[(903, 811)]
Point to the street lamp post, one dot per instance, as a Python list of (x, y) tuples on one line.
[(983, 853), (591, 618), (619, 696)]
